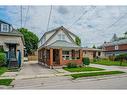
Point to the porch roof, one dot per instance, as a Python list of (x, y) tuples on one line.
[(63, 44)]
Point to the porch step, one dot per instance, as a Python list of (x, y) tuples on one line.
[(13, 63)]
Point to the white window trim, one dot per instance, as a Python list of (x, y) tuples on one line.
[(2, 26)]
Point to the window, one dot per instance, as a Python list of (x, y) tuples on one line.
[(61, 36), (4, 28), (66, 55), (116, 47)]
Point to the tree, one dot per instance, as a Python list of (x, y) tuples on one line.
[(78, 41), (94, 46), (31, 40), (114, 38), (121, 58)]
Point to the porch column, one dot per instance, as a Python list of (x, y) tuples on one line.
[(51, 57), (60, 55), (81, 54)]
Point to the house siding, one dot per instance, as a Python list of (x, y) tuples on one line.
[(4, 39)]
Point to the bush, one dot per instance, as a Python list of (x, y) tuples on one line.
[(121, 58), (86, 61), (111, 58), (2, 59), (71, 65), (1, 49)]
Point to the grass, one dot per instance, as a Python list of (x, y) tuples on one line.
[(3, 70), (95, 74), (5, 82), (81, 69), (109, 63)]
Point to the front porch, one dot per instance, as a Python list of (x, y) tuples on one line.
[(59, 56)]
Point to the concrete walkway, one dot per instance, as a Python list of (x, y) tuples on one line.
[(113, 68)]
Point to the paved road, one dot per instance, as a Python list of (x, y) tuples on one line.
[(65, 82)]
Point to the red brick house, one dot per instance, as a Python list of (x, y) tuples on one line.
[(115, 47), (57, 48)]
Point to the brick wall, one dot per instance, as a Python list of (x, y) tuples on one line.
[(78, 61), (120, 47)]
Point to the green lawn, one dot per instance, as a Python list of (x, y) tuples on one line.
[(95, 74), (109, 63), (2, 70), (5, 82), (81, 69)]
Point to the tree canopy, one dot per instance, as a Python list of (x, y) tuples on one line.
[(78, 41), (31, 40), (94, 46)]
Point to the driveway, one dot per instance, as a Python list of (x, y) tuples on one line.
[(30, 70)]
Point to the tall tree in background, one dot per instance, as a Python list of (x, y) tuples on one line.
[(31, 40), (78, 41), (114, 38), (94, 46)]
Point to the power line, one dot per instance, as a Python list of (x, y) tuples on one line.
[(84, 13), (26, 15), (49, 17)]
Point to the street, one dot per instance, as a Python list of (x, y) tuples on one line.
[(64, 82)]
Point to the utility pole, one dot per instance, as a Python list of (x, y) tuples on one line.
[(21, 14), (49, 17)]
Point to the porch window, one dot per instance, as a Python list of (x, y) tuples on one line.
[(77, 54), (66, 55)]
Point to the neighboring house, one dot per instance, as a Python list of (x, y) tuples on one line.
[(57, 47), (12, 42), (92, 53), (115, 47)]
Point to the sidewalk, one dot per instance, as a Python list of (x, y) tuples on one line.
[(113, 68)]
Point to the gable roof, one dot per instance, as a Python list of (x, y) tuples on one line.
[(62, 44), (119, 42), (4, 22), (56, 31)]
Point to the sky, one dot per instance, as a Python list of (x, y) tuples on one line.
[(93, 24)]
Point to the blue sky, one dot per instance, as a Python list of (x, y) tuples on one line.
[(93, 24)]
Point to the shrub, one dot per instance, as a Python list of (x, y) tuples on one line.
[(111, 58), (86, 61), (121, 57), (71, 65), (1, 49), (2, 59)]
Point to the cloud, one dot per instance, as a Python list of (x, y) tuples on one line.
[(62, 10), (92, 28)]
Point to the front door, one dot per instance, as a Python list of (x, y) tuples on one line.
[(12, 51)]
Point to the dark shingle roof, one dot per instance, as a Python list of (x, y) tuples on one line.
[(119, 42)]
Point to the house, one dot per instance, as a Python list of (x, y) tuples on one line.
[(92, 53), (12, 42), (115, 48), (57, 48)]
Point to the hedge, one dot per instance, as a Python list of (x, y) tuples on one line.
[(2, 59)]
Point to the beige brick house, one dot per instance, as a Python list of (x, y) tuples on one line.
[(12, 42), (93, 53)]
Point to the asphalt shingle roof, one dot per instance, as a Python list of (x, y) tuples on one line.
[(119, 42)]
